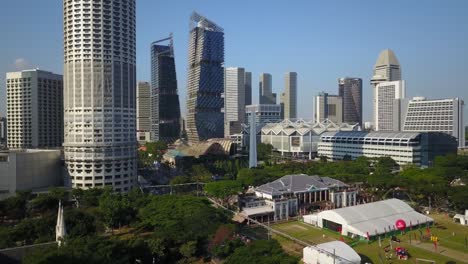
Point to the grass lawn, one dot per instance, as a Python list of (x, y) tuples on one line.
[(369, 251), (450, 234)]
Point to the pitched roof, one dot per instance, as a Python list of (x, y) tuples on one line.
[(387, 57), (298, 183)]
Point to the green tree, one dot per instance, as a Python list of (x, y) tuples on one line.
[(264, 151), (115, 209), (200, 173), (223, 190), (261, 252), (181, 218), (79, 223), (156, 150), (188, 250)]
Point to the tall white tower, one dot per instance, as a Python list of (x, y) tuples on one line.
[(289, 98), (253, 142), (99, 93), (234, 100), (60, 230)]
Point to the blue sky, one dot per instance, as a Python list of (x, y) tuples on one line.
[(320, 40)]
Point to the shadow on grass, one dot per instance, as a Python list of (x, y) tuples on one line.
[(365, 259)]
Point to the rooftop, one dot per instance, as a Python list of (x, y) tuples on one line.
[(387, 57), (298, 183)]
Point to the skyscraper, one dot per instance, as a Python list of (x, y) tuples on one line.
[(265, 91), (388, 108), (143, 115), (328, 107), (34, 109), (165, 112), (350, 90), (441, 115), (289, 97), (387, 68), (248, 88), (234, 100), (205, 80), (99, 95)]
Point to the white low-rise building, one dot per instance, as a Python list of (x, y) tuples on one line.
[(334, 252), (462, 219), (368, 220), (299, 137), (292, 194), (418, 148)]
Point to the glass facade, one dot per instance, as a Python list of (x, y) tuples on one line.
[(165, 112), (205, 82)]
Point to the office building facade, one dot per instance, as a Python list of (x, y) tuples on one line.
[(3, 132), (289, 97), (34, 109), (328, 107), (418, 148), (248, 88), (388, 105), (441, 115), (29, 169), (100, 91), (234, 100), (350, 90), (143, 114), (205, 80), (266, 96), (165, 112)]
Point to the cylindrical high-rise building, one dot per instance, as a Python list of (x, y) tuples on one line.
[(99, 93)]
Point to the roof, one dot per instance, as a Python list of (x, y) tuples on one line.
[(303, 127), (372, 135), (374, 218), (386, 57), (258, 210), (341, 250), (298, 183)]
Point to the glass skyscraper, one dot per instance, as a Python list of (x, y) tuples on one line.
[(165, 112), (205, 80), (350, 90)]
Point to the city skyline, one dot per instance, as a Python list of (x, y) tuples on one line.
[(418, 33)]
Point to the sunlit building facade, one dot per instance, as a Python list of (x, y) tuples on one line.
[(205, 80)]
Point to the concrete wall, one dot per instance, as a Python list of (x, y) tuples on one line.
[(30, 169)]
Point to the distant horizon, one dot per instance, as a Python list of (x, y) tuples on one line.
[(322, 41)]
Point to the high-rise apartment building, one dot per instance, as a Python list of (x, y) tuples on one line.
[(205, 80), (289, 97), (34, 109), (100, 84), (328, 107), (234, 100), (165, 110), (388, 107), (440, 115), (248, 88), (266, 96), (143, 114), (350, 90)]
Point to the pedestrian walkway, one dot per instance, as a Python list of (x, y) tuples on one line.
[(457, 255)]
